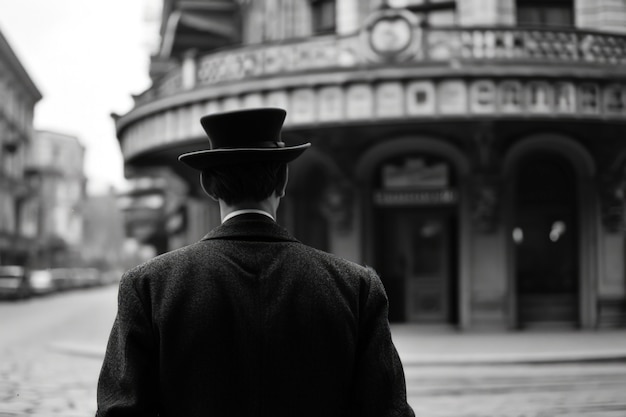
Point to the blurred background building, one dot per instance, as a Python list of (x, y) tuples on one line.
[(55, 169), (18, 96), (472, 151), (105, 245), (53, 236)]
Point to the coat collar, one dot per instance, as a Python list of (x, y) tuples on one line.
[(250, 227)]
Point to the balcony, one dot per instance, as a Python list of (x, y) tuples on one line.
[(459, 46), (418, 72)]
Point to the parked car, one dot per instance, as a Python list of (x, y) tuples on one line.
[(111, 277), (14, 282), (86, 277), (41, 281), (63, 278)]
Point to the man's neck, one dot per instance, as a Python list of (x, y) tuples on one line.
[(268, 206)]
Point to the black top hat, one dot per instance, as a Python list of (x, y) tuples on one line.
[(242, 136)]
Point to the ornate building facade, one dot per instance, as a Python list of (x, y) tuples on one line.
[(18, 96), (472, 151)]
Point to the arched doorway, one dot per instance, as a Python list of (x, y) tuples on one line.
[(420, 221), (546, 241), (415, 214)]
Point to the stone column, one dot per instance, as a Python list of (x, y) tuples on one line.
[(189, 69), (486, 12), (347, 16)]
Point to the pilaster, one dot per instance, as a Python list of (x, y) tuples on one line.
[(486, 12)]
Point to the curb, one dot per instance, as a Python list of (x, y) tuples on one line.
[(77, 349), (515, 359)]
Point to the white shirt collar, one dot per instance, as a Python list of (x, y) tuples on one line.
[(246, 211)]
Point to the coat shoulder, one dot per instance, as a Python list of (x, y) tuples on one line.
[(162, 263), (336, 262)]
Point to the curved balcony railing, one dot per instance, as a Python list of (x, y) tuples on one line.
[(432, 45), (328, 80)]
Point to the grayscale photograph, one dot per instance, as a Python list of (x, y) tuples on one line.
[(307, 208)]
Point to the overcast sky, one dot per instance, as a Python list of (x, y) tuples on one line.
[(86, 57)]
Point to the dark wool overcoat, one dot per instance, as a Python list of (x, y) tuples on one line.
[(250, 322)]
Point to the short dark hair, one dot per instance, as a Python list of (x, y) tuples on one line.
[(236, 183)]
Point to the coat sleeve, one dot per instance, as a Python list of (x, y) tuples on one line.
[(380, 386), (129, 376)]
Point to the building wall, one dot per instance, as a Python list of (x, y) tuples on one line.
[(480, 94), (19, 96), (56, 165)]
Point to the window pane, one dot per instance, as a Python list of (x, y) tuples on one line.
[(545, 13), (324, 16), (558, 16)]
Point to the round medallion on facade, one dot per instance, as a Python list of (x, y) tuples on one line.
[(391, 34)]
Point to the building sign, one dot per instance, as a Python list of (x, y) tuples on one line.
[(589, 99), (331, 103), (411, 100), (277, 99), (389, 99), (420, 98), (483, 97), (511, 96), (231, 103), (360, 100), (452, 96), (415, 182), (564, 98), (252, 100), (614, 99), (302, 106), (539, 97), (414, 173), (415, 198)]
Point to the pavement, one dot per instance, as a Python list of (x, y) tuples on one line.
[(423, 346), (426, 346), (51, 350)]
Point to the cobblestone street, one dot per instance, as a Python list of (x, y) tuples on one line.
[(52, 348), (47, 383), (51, 353)]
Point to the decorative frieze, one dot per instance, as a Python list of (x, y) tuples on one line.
[(358, 102)]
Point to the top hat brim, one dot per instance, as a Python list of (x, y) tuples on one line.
[(201, 160)]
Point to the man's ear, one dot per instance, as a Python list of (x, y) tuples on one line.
[(204, 181), (283, 178)]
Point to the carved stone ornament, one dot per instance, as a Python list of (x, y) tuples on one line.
[(611, 189), (485, 201), (391, 35)]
